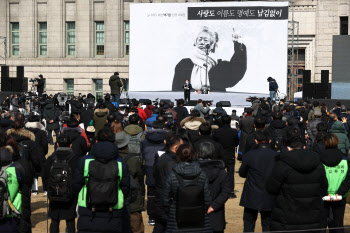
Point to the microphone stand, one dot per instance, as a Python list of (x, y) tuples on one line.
[(205, 88)]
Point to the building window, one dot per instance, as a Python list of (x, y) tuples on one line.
[(15, 39), (300, 89), (300, 80), (42, 39), (69, 87), (100, 38), (70, 39), (126, 38), (98, 88), (344, 22)]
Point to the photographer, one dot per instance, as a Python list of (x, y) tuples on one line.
[(40, 85), (203, 111), (187, 91)]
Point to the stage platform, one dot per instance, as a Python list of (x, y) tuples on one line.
[(237, 100)]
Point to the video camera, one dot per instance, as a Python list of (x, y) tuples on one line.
[(32, 80), (62, 99)]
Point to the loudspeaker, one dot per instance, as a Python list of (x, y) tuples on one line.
[(192, 103), (5, 84), (166, 101), (225, 103), (321, 87), (324, 76), (306, 76), (5, 71), (143, 101), (20, 72), (322, 95), (309, 90), (19, 84)]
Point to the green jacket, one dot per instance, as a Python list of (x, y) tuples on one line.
[(339, 130), (115, 84), (136, 171)]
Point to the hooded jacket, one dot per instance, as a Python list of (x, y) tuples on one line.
[(101, 221), (36, 158), (192, 123), (220, 189), (299, 181), (40, 135), (154, 142), (133, 130), (188, 171), (331, 158), (115, 84), (100, 117), (339, 130), (51, 113)]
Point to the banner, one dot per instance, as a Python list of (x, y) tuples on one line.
[(233, 46)]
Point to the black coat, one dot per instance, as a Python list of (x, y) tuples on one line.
[(101, 221), (40, 136), (40, 85), (246, 125), (188, 171), (218, 149), (79, 146), (299, 181), (86, 117), (182, 113), (51, 113), (220, 190), (36, 158), (5, 124), (63, 210), (256, 167), (225, 74), (153, 143), (161, 169), (228, 139)]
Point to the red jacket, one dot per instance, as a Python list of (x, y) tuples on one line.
[(148, 110), (142, 114), (82, 134)]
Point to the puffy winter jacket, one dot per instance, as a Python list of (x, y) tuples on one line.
[(339, 130)]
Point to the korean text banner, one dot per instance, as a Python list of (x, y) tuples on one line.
[(226, 46)]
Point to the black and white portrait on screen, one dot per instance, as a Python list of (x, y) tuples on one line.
[(169, 43), (204, 69)]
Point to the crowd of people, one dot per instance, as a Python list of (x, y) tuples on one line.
[(293, 156)]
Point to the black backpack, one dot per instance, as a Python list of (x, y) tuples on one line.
[(102, 185), (23, 150), (59, 184), (279, 139), (190, 209)]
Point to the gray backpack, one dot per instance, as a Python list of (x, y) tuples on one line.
[(6, 207), (135, 144)]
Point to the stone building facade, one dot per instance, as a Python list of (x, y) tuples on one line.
[(78, 44)]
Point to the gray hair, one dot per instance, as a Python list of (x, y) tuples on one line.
[(206, 150), (214, 38)]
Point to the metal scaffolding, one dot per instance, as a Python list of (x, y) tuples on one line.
[(3, 50)]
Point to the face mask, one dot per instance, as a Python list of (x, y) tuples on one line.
[(122, 112), (186, 82), (129, 114)]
